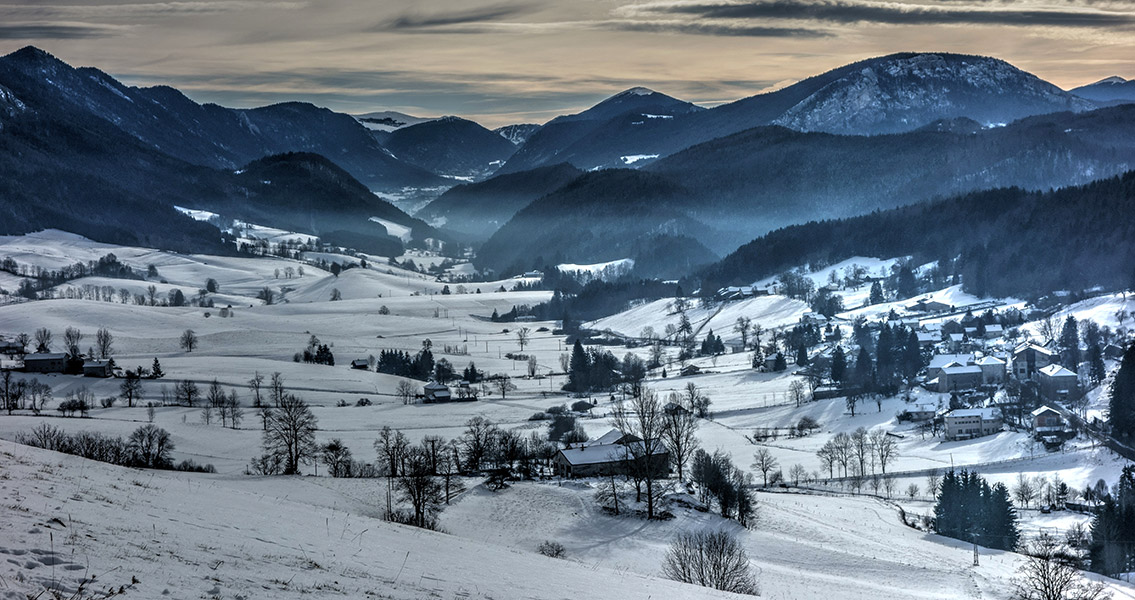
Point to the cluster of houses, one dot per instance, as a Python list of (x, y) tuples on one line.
[(1028, 361), (956, 373)]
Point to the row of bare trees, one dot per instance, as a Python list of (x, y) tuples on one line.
[(856, 452)]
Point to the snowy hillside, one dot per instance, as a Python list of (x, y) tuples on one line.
[(770, 311), (183, 536)]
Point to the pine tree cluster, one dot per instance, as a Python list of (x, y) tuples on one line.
[(969, 509)]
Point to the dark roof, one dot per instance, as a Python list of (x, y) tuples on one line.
[(45, 356)]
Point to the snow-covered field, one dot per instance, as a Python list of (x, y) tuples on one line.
[(230, 535), (770, 311)]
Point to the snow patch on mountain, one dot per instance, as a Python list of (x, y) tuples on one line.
[(388, 120), (614, 267), (10, 105), (633, 158), (399, 231)]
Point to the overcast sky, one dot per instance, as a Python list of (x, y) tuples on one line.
[(529, 60)]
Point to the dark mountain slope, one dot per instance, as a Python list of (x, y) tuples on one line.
[(163, 119), (769, 177), (1007, 241), (451, 146), (614, 117), (479, 209), (599, 217)]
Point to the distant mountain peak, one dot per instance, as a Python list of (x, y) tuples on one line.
[(636, 91), (1113, 80), (901, 92), (31, 53)]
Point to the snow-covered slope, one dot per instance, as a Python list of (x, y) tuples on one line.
[(388, 120), (769, 311), (161, 534)]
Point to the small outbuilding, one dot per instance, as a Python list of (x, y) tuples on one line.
[(97, 368), (360, 363)]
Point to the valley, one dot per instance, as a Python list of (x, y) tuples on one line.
[(870, 332)]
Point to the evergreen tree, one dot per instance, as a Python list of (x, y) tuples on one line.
[(1111, 551), (1001, 528), (907, 285), (911, 356), (780, 364), (1098, 371), (156, 370), (579, 375), (884, 354), (969, 509), (801, 355), (839, 365), (1070, 342), (1122, 405), (876, 293), (863, 367)]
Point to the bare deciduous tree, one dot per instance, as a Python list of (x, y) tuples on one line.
[(131, 387), (713, 559), (255, 385), (522, 336), (291, 434), (884, 447), (151, 446), (643, 419), (43, 339), (765, 462), (104, 343), (420, 487), (71, 338), (503, 385), (186, 392), (679, 433), (188, 340), (406, 391), (337, 457), (1048, 573)]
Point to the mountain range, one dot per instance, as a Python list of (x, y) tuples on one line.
[(639, 175)]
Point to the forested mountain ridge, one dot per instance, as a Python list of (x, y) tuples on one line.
[(1003, 242)]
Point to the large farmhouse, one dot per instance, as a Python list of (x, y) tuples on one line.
[(611, 454)]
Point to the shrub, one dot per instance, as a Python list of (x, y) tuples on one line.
[(552, 549)]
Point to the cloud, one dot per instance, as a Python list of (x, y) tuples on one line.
[(56, 31), (142, 9), (890, 13), (440, 22), (718, 28)]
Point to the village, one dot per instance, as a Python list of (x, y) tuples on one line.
[(993, 391)]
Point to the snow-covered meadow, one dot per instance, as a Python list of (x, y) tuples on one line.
[(232, 535)]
